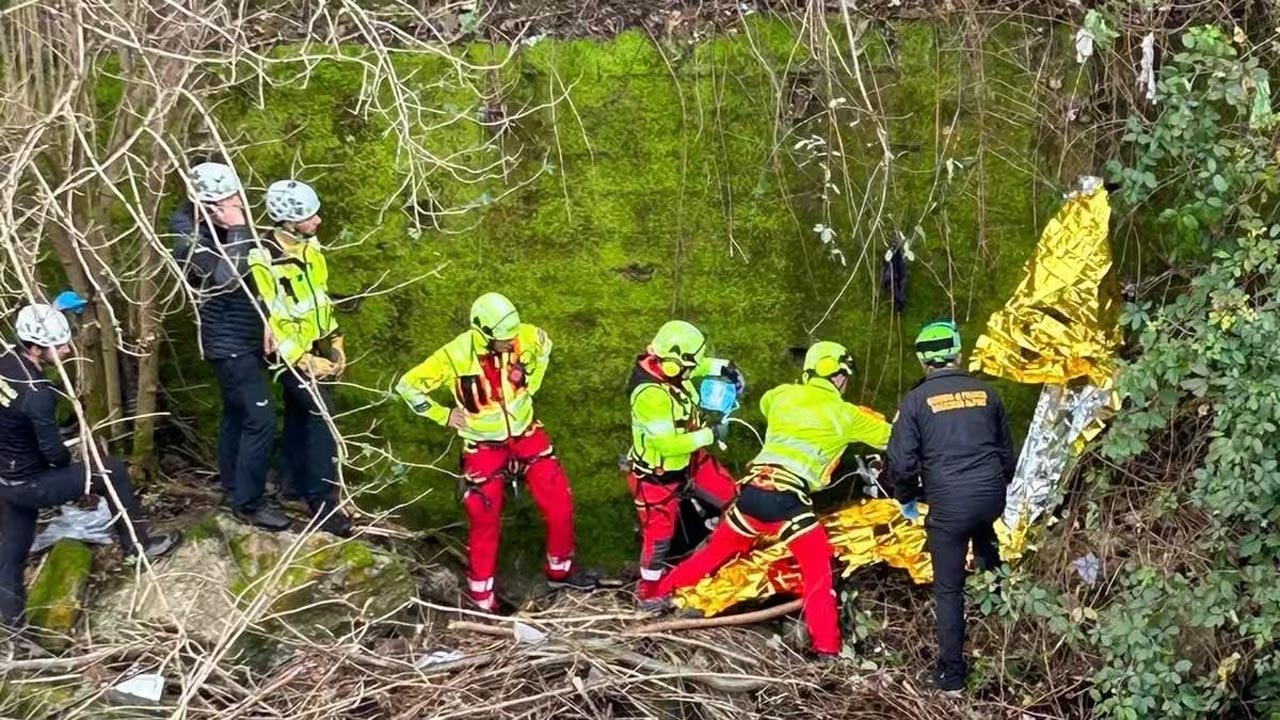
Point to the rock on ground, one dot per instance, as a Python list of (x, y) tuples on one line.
[(223, 571)]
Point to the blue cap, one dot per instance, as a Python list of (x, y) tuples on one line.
[(70, 300)]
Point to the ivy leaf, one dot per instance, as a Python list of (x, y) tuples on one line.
[(1196, 386)]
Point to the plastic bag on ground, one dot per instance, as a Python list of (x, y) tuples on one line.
[(76, 523)]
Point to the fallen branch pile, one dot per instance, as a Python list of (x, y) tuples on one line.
[(579, 657)]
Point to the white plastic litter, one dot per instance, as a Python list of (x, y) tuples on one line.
[(440, 657), (1147, 69), (529, 635), (147, 686), (1087, 567), (1084, 45), (91, 526)]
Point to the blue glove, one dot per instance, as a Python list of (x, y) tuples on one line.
[(69, 300), (910, 511)]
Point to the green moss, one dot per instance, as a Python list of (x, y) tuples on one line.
[(203, 530), (34, 699), (356, 555), (678, 162), (55, 599), (323, 568)]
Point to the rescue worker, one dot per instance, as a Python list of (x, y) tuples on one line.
[(292, 277), (493, 371), (809, 427), (36, 467), (214, 239), (952, 433), (668, 459)]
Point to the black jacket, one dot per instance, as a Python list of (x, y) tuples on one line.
[(217, 265), (30, 441), (952, 433)]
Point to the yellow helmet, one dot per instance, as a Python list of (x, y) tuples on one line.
[(825, 359), (495, 317), (679, 345)]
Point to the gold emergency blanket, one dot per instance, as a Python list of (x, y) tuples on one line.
[(869, 532), (1060, 323), (1059, 329)]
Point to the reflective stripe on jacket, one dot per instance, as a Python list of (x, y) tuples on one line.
[(666, 421), (293, 280), (809, 427), (495, 389)]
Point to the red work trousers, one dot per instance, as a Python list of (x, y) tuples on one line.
[(812, 553), (658, 507), (485, 465)]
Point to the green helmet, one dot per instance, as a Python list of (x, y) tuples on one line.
[(495, 317), (825, 359), (679, 342), (938, 343)]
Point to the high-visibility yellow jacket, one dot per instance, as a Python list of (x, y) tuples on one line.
[(666, 422), (495, 389), (293, 279), (810, 426)]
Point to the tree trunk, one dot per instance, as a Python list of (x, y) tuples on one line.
[(144, 456)]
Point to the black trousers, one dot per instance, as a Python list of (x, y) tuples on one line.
[(310, 449), (20, 506), (950, 531), (247, 430)]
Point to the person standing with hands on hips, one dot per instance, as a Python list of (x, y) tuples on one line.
[(493, 370), (214, 240), (951, 447)]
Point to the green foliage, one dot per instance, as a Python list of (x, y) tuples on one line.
[(857, 624), (664, 184), (1015, 595), (1145, 673), (1210, 353), (1208, 148)]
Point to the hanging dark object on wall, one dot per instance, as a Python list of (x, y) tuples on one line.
[(893, 272)]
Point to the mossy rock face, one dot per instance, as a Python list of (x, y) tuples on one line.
[(57, 595), (337, 582), (225, 568), (652, 183)]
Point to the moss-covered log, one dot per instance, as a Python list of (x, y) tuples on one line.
[(57, 595)]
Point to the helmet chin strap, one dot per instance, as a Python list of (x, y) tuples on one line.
[(38, 354)]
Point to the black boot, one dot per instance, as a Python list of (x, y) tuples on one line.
[(337, 523), (577, 580), (156, 547), (266, 516), (331, 520), (160, 545), (949, 685)]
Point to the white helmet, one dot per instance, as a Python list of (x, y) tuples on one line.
[(41, 325), (291, 201), (213, 182)]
